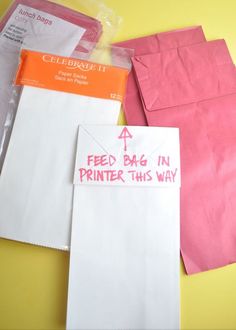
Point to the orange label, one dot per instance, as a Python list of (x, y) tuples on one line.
[(71, 75)]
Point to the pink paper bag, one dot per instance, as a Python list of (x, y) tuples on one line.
[(153, 44), (194, 88)]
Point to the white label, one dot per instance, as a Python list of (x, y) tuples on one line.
[(27, 21)]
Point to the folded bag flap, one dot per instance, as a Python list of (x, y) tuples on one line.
[(185, 75), (128, 156)]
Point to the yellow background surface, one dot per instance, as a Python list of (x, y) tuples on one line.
[(33, 280)]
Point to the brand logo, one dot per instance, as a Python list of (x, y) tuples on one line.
[(73, 64)]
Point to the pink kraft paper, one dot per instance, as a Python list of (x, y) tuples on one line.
[(156, 43), (93, 27), (194, 88)]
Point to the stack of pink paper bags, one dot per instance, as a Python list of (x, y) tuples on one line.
[(180, 80)]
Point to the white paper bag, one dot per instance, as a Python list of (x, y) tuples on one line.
[(124, 265)]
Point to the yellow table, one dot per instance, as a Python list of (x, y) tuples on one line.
[(33, 280)]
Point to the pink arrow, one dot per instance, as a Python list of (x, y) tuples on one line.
[(125, 134)]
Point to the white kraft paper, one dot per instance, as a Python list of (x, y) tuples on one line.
[(36, 187)]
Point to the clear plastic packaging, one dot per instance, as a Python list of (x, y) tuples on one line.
[(38, 24), (109, 19), (106, 54)]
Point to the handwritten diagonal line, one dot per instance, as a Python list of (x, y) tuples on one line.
[(95, 140)]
